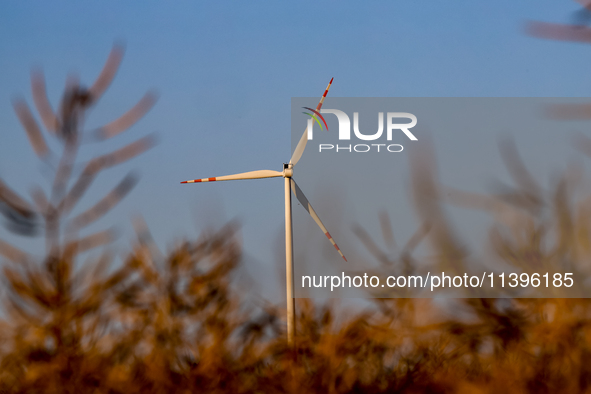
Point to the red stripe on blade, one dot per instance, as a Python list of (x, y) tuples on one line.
[(324, 95), (211, 179), (327, 235)]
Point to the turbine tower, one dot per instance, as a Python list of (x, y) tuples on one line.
[(287, 174)]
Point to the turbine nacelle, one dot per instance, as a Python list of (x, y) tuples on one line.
[(287, 170)]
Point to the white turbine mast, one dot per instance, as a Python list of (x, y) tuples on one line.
[(287, 173)]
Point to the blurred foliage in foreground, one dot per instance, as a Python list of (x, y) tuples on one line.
[(174, 323)]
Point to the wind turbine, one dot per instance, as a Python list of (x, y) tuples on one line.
[(287, 174)]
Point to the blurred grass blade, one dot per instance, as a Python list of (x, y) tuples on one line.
[(80, 186), (12, 253), (559, 32), (128, 119), (583, 144), (582, 17), (585, 3), (12, 199), (93, 268), (428, 202), (145, 238), (22, 224), (569, 111), (107, 74), (127, 152), (40, 199), (386, 226), (517, 168), (100, 163), (524, 181), (21, 217), (42, 103), (92, 241), (66, 106), (370, 245), (31, 127), (416, 239), (106, 203)]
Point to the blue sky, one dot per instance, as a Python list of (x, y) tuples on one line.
[(226, 72)]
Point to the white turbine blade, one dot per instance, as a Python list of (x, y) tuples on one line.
[(299, 150), (244, 175), (306, 204)]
